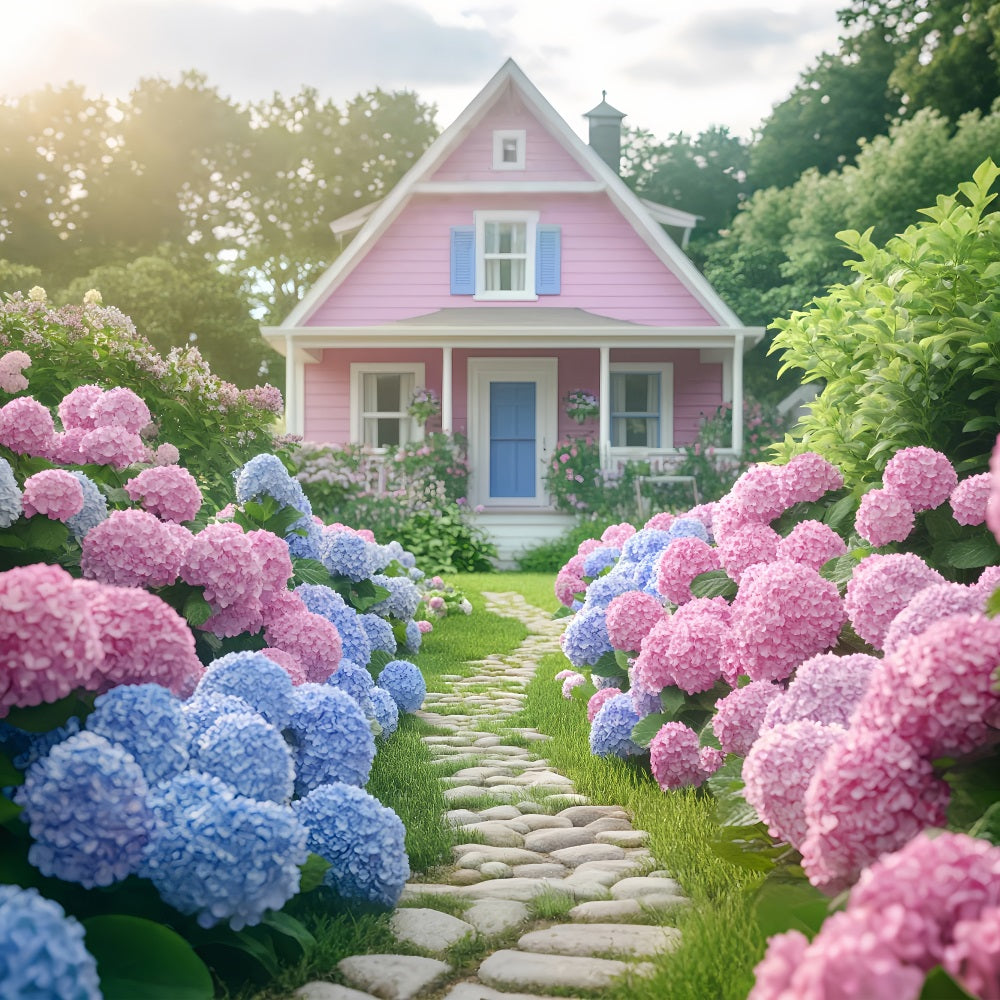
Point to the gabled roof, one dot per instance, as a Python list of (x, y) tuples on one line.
[(510, 75)]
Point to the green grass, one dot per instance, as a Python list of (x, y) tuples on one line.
[(536, 588)]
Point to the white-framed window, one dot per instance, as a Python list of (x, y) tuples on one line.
[(505, 255), (508, 149), (642, 404), (381, 393)]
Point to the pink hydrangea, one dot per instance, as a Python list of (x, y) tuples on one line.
[(807, 477), (166, 454), (883, 517), (563, 674), (940, 600), (631, 617), (921, 476), (11, 379), (934, 882), (132, 548), (587, 546), (777, 772), (811, 543), (652, 667), (567, 586), (727, 517), (740, 714), (292, 665), (170, 492), (120, 407), (573, 681), (681, 562), (112, 445), (75, 408), (49, 643), (880, 587), (973, 958), (615, 534), (425, 626), (784, 615), (758, 492), (26, 427), (988, 581), (53, 492), (597, 700), (674, 757), (969, 499), (693, 650), (275, 564), (145, 640), (746, 546), (710, 759), (936, 690), (852, 958), (661, 521), (826, 688), (314, 640), (993, 504), (704, 512), (65, 446), (717, 607), (871, 795)]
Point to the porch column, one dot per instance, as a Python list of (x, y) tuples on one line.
[(446, 418), (604, 401), (738, 394), (291, 403)]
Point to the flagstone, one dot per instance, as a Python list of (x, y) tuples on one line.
[(494, 833), (429, 929), (478, 991), (573, 856), (557, 838), (582, 815), (496, 916), (542, 821), (643, 885), (465, 876), (623, 838), (476, 855), (462, 792), (521, 889), (633, 940), (392, 977), (501, 812), (509, 967), (544, 869), (606, 823), (330, 991), (496, 869)]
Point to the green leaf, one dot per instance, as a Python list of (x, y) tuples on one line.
[(731, 808), (974, 553), (8, 810), (563, 612), (196, 609), (714, 583), (988, 825), (606, 666), (365, 595), (673, 699), (646, 728), (737, 853), (840, 515), (252, 941), (940, 986), (45, 534), (583, 692), (284, 923), (313, 870), (9, 775), (975, 787), (783, 903), (141, 958), (49, 715), (993, 604), (310, 571), (622, 658)]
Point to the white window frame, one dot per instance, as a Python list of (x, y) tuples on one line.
[(530, 220), (665, 369), (500, 136), (361, 368)]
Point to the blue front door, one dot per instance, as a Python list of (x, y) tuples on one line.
[(513, 464)]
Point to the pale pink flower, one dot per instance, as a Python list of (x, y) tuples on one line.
[(132, 548), (993, 504), (973, 957), (166, 454), (11, 379), (826, 688), (53, 492), (574, 680), (120, 407), (597, 700), (681, 562), (170, 492), (940, 600), (969, 499), (291, 626), (806, 478), (292, 665), (112, 445), (922, 476), (616, 534), (26, 427), (747, 545), (674, 757), (811, 543), (75, 408), (883, 517), (740, 714), (631, 617)]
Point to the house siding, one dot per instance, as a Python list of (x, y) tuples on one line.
[(607, 268)]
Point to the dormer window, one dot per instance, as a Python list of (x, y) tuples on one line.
[(508, 149)]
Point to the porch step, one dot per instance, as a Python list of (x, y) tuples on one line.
[(515, 531)]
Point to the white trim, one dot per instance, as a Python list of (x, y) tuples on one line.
[(530, 220), (665, 369), (544, 372), (604, 408), (502, 135), (509, 187), (447, 391), (361, 368), (737, 441)]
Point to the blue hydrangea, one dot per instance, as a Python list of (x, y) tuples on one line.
[(305, 546), (345, 554), (599, 560), (611, 730), (404, 681), (646, 574), (645, 543), (605, 589), (148, 721), (414, 637), (379, 632), (94, 510), (645, 703), (380, 555), (331, 739), (248, 754), (415, 574), (624, 572), (201, 710), (403, 597), (363, 840), (396, 551), (385, 711), (355, 681), (688, 527), (259, 681), (604, 682), (325, 601), (586, 640), (266, 476), (86, 807), (42, 951), (220, 855), (10, 495), (24, 748)]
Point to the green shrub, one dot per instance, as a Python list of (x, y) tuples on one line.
[(550, 557)]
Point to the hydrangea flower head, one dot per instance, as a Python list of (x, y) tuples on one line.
[(292, 665), (148, 722), (414, 637), (379, 632), (747, 545), (120, 407), (132, 548), (331, 739), (168, 491), (617, 534), (570, 681), (385, 711), (93, 511), (993, 504), (687, 526), (630, 617), (757, 493), (202, 710), (647, 542), (202, 826), (86, 806), (404, 681), (112, 445), (26, 427), (605, 589), (973, 957), (355, 644), (354, 681), (774, 973), (255, 678), (880, 587), (777, 771), (65, 447), (600, 559), (661, 521), (42, 950), (811, 543), (740, 715), (674, 757), (75, 409), (363, 841), (825, 689), (403, 599), (939, 600), (807, 477), (922, 476), (567, 585), (685, 559), (611, 730), (266, 476), (10, 495), (11, 379), (344, 553), (271, 554), (871, 794), (586, 639), (54, 493), (597, 700), (969, 499), (883, 517)]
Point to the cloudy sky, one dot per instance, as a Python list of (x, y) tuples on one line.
[(671, 65)]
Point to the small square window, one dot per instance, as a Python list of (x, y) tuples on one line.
[(508, 149), (380, 400)]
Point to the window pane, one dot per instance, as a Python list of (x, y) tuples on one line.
[(510, 150), (388, 396), (635, 409), (505, 275), (506, 237)]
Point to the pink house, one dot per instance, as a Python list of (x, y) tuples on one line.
[(510, 266)]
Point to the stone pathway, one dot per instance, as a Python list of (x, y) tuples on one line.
[(550, 885)]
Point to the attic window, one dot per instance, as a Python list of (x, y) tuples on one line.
[(508, 149)]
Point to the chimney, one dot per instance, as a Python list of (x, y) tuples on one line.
[(606, 132)]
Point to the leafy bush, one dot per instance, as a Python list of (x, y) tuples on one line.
[(909, 351), (550, 557), (578, 484)]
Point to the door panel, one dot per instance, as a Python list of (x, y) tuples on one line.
[(513, 445)]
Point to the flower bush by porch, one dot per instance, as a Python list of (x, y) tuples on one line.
[(581, 405)]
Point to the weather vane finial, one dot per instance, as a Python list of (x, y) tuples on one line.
[(604, 95)]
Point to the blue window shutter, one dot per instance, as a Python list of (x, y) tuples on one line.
[(463, 260), (548, 260)]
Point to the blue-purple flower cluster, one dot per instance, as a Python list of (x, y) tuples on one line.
[(10, 495), (586, 640), (345, 554), (599, 560), (354, 681), (405, 683), (379, 633), (355, 644), (403, 597), (255, 678), (94, 510), (385, 711), (611, 730)]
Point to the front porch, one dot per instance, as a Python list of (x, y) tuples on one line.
[(516, 531)]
